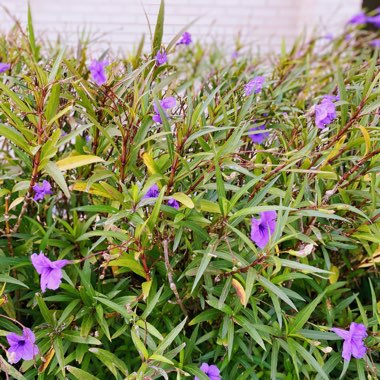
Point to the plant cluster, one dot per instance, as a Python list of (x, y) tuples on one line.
[(185, 213)]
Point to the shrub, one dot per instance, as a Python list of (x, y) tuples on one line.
[(202, 214)]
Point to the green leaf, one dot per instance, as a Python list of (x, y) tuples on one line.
[(14, 136), (55, 173), (80, 374), (110, 360), (74, 336), (169, 338), (159, 30), (46, 314), (303, 316), (275, 290), (130, 263)]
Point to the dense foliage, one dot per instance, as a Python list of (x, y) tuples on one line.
[(158, 285)]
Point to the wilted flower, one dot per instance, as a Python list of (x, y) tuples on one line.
[(258, 138), (325, 113), (161, 58), (4, 67), (353, 344), (97, 71), (255, 85), (41, 191), (263, 228), (153, 192), (173, 203), (185, 39), (21, 346), (50, 271), (375, 43), (358, 19), (212, 371), (166, 104)]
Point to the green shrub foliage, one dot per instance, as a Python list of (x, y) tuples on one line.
[(156, 217)]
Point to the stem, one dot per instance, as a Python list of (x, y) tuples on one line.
[(169, 270)]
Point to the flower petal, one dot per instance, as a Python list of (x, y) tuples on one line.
[(40, 262), (54, 279), (13, 338), (344, 334), (347, 350)]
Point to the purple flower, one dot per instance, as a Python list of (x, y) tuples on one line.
[(4, 67), (212, 371), (166, 104), (185, 39), (41, 191), (375, 20), (324, 113), (173, 203), (235, 55), (50, 271), (97, 71), (258, 138), (21, 346), (263, 228), (358, 19), (353, 344), (333, 98), (348, 37), (375, 43), (161, 58), (153, 192), (255, 85)]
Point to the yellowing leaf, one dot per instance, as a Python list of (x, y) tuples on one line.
[(150, 164), (16, 202), (146, 289), (367, 139), (184, 199), (239, 291), (46, 360), (94, 189), (74, 162), (334, 151), (372, 260), (130, 263), (334, 276)]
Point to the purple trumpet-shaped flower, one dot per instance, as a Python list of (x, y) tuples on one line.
[(161, 58), (358, 19), (41, 191), (21, 346), (212, 371), (374, 20), (173, 203), (98, 73), (50, 271), (353, 344), (375, 43), (166, 104), (255, 85), (153, 192), (325, 112), (4, 67), (263, 228), (185, 39), (258, 138)]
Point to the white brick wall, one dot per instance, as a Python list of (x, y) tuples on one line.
[(120, 23)]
